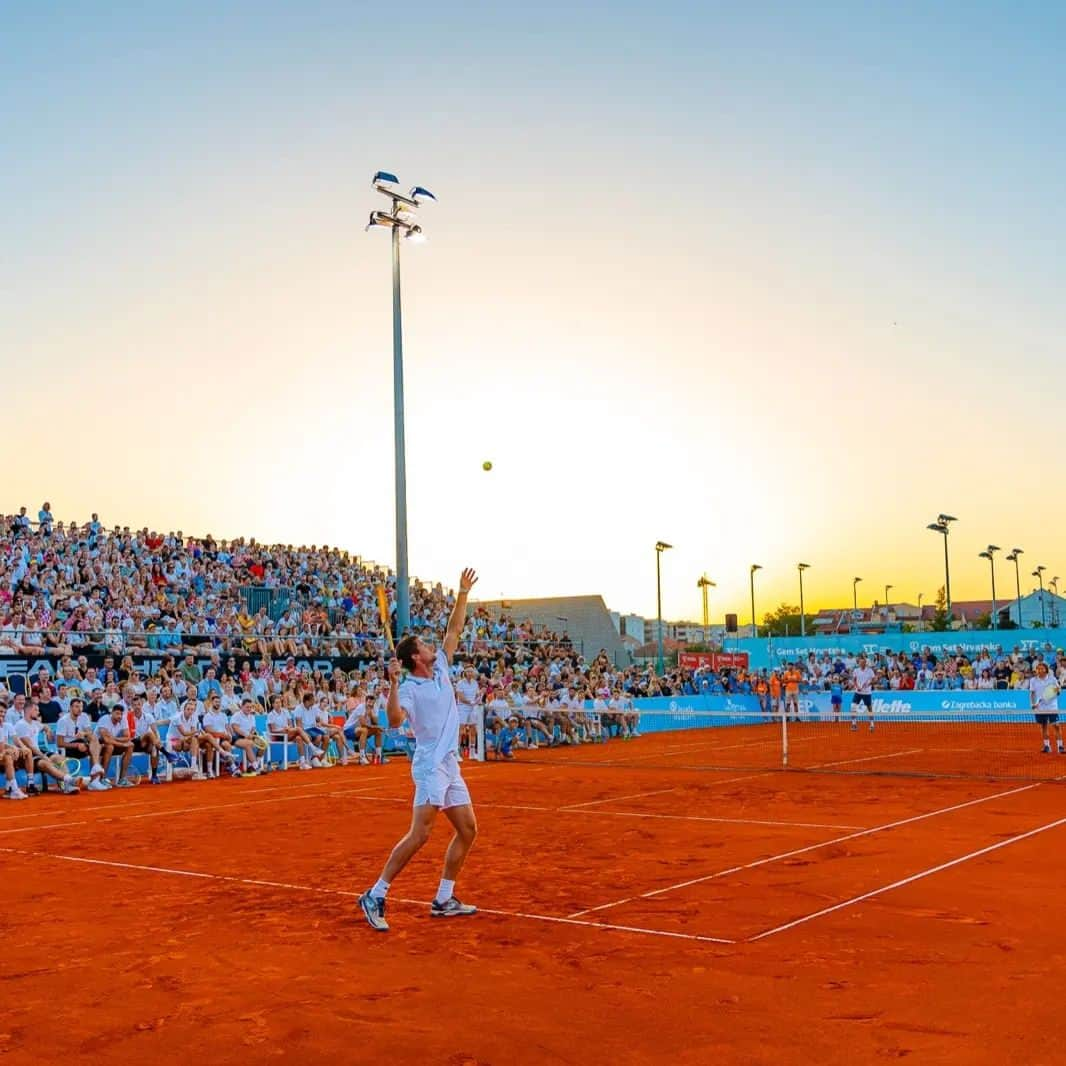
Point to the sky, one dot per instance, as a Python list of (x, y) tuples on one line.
[(770, 282)]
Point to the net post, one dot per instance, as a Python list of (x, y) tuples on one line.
[(479, 726), (784, 738)]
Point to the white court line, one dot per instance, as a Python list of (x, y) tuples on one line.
[(124, 804), (868, 758), (621, 814), (354, 895), (163, 812), (906, 880), (708, 818), (803, 851), (761, 742), (617, 799)]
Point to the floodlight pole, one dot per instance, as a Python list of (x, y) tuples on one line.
[(403, 581)]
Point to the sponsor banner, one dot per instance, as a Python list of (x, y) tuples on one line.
[(924, 704), (702, 712), (779, 650), (146, 666), (716, 660)]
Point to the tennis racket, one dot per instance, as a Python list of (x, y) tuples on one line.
[(72, 766), (383, 612)]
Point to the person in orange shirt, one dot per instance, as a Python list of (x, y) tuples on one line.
[(792, 690), (775, 693), (762, 691)]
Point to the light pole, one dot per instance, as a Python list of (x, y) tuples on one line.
[(398, 219), (1038, 573), (1015, 555), (941, 526), (660, 547), (751, 578), (803, 621), (855, 596), (1054, 584), (990, 554), (921, 621), (703, 585)]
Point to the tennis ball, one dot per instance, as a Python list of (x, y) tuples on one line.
[(486, 465)]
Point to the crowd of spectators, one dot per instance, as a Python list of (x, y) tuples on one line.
[(71, 588)]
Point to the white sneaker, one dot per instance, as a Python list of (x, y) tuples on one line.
[(303, 764), (316, 763), (96, 785), (344, 760), (364, 759), (15, 793), (197, 776)]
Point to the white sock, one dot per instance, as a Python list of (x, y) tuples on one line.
[(380, 889), (444, 893)]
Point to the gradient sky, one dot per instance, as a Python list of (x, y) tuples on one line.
[(768, 281)]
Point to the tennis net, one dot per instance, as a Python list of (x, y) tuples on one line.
[(1001, 744)]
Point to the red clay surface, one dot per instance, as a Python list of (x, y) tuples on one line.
[(630, 915)]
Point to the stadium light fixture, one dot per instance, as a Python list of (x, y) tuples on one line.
[(803, 621), (943, 521), (990, 554), (855, 595), (1013, 557), (398, 219), (1038, 573), (703, 585), (751, 577), (660, 547)]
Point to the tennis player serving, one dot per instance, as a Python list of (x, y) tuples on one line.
[(427, 698)]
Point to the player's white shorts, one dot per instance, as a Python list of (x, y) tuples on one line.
[(468, 714), (441, 785)]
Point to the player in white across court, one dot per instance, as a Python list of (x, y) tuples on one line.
[(427, 698), (469, 696)]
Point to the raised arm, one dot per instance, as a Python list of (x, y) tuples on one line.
[(467, 580), (393, 710)]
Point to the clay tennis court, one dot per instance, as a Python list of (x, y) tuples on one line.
[(633, 911)]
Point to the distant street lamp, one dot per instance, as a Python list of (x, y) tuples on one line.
[(660, 547), (803, 621), (1015, 555), (703, 585), (1038, 573), (941, 526), (990, 554), (751, 575)]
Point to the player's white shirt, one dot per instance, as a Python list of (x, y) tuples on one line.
[(27, 731), (307, 717), (467, 692), (181, 728), (278, 720), (118, 730), (11, 715), (143, 722), (322, 717), (216, 721), (68, 727), (243, 723), (7, 733), (1047, 699), (355, 714), (863, 678), (429, 703)]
